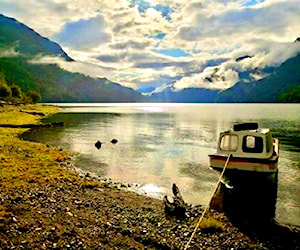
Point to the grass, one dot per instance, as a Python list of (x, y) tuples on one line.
[(210, 224), (10, 114), (25, 164)]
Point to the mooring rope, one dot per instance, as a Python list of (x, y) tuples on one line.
[(206, 208)]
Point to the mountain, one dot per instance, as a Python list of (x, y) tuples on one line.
[(26, 41), (19, 45), (269, 89), (188, 95), (281, 85), (145, 90)]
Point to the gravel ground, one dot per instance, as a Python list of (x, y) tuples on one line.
[(69, 215)]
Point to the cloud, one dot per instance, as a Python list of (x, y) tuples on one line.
[(268, 20), (46, 17), (74, 66), (84, 33), (161, 65), (8, 52), (271, 54), (140, 43), (226, 74), (211, 77)]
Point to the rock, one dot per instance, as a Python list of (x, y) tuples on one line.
[(98, 144), (114, 141), (70, 214)]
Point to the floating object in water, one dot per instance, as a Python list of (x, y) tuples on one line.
[(114, 141), (98, 144)]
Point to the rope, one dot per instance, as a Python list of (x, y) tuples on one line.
[(206, 208)]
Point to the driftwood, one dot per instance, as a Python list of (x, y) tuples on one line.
[(33, 113), (176, 208), (48, 125)]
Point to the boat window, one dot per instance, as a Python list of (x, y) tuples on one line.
[(229, 142), (252, 144)]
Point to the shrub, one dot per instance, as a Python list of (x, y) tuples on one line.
[(16, 91), (33, 96), (5, 91), (292, 96), (210, 224)]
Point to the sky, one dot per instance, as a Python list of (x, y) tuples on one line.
[(152, 43)]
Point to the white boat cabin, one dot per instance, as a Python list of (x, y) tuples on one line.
[(247, 140)]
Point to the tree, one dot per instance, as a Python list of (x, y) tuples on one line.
[(292, 96), (33, 96), (2, 78), (16, 91), (5, 91)]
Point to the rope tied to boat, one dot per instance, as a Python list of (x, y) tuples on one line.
[(207, 206)]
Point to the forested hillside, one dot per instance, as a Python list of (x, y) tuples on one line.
[(20, 44)]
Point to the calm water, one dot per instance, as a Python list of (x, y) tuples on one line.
[(161, 144)]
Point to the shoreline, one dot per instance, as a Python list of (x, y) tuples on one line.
[(45, 205)]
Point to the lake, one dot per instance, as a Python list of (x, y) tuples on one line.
[(161, 144)]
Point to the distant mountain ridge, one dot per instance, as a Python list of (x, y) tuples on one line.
[(281, 80), (54, 83), (269, 89)]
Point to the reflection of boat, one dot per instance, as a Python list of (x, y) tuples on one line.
[(250, 148)]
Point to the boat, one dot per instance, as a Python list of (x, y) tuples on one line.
[(249, 149), (247, 158)]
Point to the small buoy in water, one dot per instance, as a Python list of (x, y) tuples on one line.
[(114, 141), (98, 144)]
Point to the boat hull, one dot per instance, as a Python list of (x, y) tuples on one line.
[(248, 196), (244, 164)]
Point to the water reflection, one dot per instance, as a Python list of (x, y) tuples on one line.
[(164, 144)]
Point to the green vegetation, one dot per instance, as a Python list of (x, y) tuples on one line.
[(54, 84), (27, 165), (5, 91), (33, 96), (293, 96), (14, 94), (211, 224), (58, 85), (16, 91)]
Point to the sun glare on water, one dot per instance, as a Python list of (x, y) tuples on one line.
[(151, 109)]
